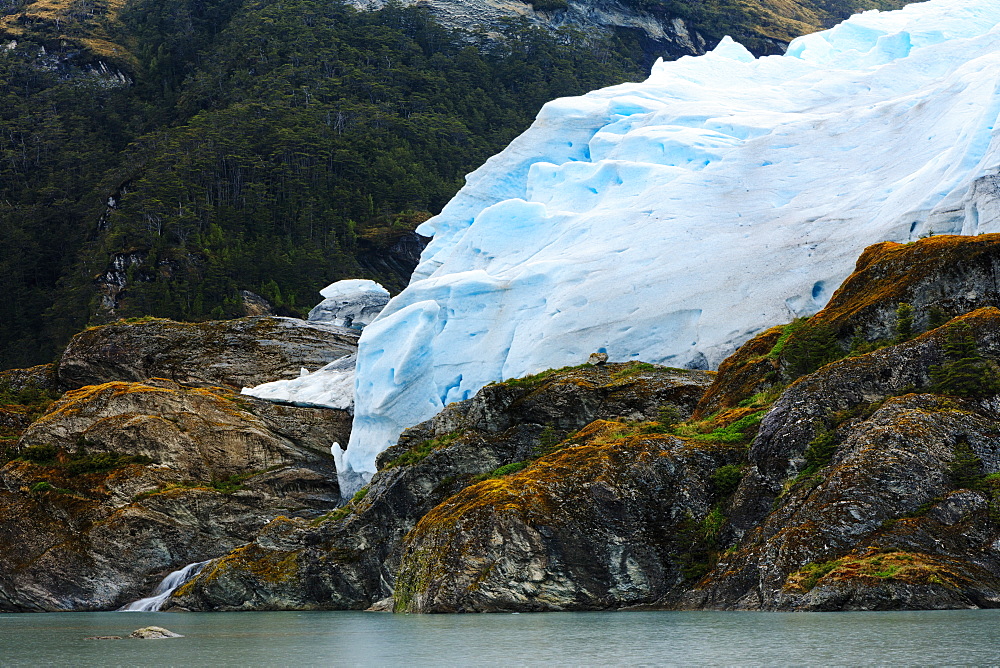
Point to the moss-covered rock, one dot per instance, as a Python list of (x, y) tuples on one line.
[(604, 524), (934, 279), (350, 560)]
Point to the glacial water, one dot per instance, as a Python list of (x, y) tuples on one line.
[(577, 639)]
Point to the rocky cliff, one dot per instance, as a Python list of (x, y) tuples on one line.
[(151, 461), (664, 29), (350, 559), (847, 461)]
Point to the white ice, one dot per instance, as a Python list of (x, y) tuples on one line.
[(670, 220), (330, 386), (351, 303)]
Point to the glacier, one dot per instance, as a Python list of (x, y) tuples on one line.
[(670, 220), (352, 303)]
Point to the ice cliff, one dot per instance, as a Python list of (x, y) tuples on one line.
[(672, 219)]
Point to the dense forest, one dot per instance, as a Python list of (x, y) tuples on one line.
[(158, 157)]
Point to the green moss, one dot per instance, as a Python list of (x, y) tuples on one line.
[(506, 469), (421, 450), (740, 431), (763, 399), (726, 479), (634, 369), (814, 572), (786, 333), (532, 382)]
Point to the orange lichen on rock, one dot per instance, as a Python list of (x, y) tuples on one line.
[(741, 375), (886, 273)]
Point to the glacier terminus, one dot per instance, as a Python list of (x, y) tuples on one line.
[(670, 220)]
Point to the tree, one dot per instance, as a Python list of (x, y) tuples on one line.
[(966, 373)]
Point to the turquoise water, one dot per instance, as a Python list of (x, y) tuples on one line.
[(595, 639)]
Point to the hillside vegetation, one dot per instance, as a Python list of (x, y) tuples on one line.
[(157, 158)]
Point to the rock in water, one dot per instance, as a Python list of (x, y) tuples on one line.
[(153, 633), (673, 219), (353, 303)]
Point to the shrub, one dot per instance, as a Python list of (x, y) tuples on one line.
[(810, 347), (786, 333), (819, 453), (904, 322), (964, 471), (39, 454), (102, 462), (548, 5), (43, 486), (727, 478)]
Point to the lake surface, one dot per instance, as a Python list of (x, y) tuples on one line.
[(595, 639)]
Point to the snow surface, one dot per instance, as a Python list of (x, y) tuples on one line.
[(352, 303), (671, 220), (330, 386)]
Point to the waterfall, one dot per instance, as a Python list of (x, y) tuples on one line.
[(165, 589)]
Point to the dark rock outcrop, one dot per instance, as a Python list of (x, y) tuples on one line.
[(232, 353), (939, 278), (881, 521), (350, 560), (605, 524)]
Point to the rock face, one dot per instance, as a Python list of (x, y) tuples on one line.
[(884, 518), (232, 353), (131, 476), (595, 526), (660, 33), (120, 483), (350, 560)]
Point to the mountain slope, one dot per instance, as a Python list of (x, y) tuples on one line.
[(163, 157)]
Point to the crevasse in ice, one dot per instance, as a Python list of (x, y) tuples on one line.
[(672, 219)]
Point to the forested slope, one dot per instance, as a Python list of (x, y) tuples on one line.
[(159, 157)]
